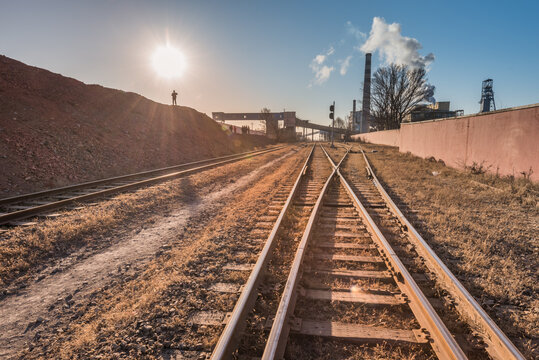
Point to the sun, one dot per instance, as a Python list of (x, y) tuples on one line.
[(168, 62)]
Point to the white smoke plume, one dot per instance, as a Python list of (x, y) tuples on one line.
[(355, 32), (393, 47), (321, 72)]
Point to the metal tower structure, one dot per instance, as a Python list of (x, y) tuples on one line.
[(487, 97)]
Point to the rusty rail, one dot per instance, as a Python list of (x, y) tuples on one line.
[(276, 343), (443, 343), (35, 210), (231, 334), (498, 345)]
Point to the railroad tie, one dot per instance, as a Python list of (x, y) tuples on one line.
[(353, 296), (354, 258), (369, 274), (341, 245), (358, 333)]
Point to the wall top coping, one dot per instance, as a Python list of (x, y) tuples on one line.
[(474, 115)]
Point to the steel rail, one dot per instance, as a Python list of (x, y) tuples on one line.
[(443, 344), (331, 160), (276, 343), (231, 335), (85, 185), (25, 213), (499, 345)]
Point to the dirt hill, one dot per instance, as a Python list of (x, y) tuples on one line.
[(55, 131)]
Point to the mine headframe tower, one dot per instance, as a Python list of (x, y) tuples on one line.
[(487, 97)]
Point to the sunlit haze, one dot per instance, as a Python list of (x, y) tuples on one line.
[(300, 56), (168, 62), (274, 179)]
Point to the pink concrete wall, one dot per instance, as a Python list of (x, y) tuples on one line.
[(387, 137), (444, 140), (506, 140)]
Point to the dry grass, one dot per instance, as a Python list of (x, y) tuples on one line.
[(172, 287), (330, 282), (395, 317), (300, 348), (483, 227), (26, 250)]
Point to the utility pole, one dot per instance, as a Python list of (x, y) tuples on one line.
[(332, 117)]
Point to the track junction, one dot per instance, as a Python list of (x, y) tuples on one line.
[(340, 272), (340, 259)]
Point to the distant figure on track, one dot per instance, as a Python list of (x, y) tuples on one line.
[(174, 94)]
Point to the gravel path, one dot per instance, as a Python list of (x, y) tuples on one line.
[(24, 313)]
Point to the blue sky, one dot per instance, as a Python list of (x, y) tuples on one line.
[(245, 55)]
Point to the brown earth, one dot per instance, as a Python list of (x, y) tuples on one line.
[(138, 308), (484, 228), (55, 131)]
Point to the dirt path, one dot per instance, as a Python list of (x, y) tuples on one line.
[(24, 313)]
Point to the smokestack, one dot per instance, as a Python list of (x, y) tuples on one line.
[(354, 121), (366, 112)]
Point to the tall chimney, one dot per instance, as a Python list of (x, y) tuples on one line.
[(354, 121), (366, 113)]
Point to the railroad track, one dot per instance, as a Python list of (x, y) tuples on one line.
[(280, 225), (43, 203), (329, 284), (477, 333)]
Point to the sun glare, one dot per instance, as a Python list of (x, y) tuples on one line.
[(168, 62)]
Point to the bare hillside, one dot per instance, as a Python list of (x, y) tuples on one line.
[(56, 130)]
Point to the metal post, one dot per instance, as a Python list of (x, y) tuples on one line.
[(333, 126), (312, 135)]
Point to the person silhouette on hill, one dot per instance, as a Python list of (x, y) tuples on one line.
[(174, 95)]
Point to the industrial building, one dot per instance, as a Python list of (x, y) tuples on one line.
[(437, 110), (255, 121), (361, 124), (284, 122)]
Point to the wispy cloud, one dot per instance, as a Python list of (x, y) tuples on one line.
[(345, 64), (322, 65), (319, 59), (321, 72), (393, 47)]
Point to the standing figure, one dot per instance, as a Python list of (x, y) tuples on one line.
[(174, 94)]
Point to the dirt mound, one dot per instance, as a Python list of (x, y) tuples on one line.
[(56, 131)]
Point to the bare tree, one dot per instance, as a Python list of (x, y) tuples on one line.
[(262, 124), (340, 123), (396, 90), (265, 114)]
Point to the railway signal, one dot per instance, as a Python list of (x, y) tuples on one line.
[(332, 117)]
